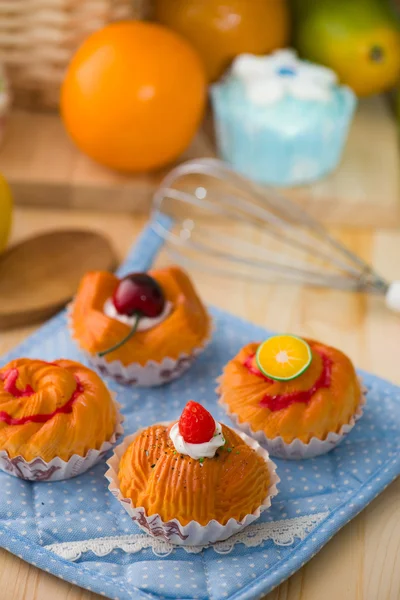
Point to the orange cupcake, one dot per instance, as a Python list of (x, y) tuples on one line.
[(56, 419), (194, 481), (298, 398), (144, 329)]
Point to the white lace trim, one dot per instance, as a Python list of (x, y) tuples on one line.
[(282, 533)]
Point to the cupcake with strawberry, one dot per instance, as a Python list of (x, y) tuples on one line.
[(145, 329), (297, 397), (194, 481)]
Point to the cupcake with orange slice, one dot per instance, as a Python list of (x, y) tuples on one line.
[(297, 397), (56, 419), (145, 329), (192, 482)]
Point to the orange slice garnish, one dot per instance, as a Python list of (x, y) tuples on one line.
[(283, 357)]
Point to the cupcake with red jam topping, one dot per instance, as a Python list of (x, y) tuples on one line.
[(194, 481), (145, 329), (297, 397), (56, 419)]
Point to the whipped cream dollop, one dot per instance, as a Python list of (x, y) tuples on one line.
[(197, 451), (268, 79), (144, 323)]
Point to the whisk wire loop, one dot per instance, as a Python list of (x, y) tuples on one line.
[(275, 237)]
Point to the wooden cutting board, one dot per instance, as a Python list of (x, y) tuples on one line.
[(44, 168)]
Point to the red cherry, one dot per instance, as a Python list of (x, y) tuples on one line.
[(196, 424), (139, 293)]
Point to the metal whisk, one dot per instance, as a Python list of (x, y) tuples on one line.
[(201, 202)]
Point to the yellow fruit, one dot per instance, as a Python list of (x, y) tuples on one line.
[(283, 357), (358, 39), (374, 75), (6, 205)]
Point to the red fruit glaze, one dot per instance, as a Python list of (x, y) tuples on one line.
[(10, 385), (139, 293), (196, 424), (10, 378), (282, 401)]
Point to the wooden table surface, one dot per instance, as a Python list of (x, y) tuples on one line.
[(362, 562), (45, 168)]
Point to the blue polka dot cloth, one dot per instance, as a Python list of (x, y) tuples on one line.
[(78, 531)]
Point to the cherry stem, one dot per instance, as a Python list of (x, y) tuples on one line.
[(132, 332)]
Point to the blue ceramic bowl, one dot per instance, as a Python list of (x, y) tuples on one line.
[(288, 143)]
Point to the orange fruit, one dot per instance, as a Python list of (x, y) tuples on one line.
[(283, 357), (220, 30), (133, 96)]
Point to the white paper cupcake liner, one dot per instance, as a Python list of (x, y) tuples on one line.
[(57, 469), (297, 450), (192, 534), (151, 374)]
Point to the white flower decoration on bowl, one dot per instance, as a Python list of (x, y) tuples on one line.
[(268, 79)]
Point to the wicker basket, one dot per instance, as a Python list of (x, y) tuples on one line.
[(38, 38)]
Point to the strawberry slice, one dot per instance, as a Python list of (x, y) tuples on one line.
[(196, 424)]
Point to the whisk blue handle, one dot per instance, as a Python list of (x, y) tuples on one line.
[(145, 250)]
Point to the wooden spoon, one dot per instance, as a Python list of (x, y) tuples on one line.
[(39, 275)]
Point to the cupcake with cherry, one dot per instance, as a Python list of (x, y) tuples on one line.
[(194, 481), (56, 419), (144, 329), (297, 397)]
